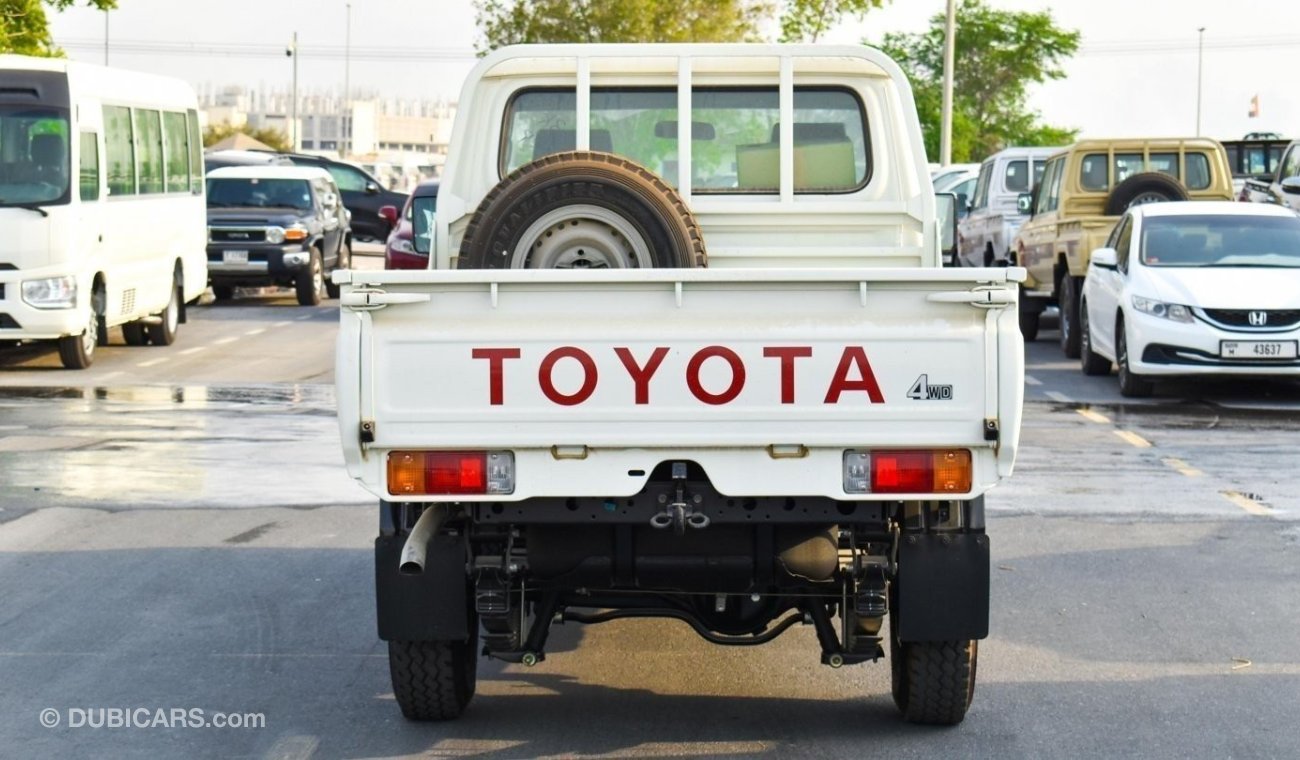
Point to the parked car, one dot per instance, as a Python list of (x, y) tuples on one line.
[(362, 194), (1194, 289), (962, 186), (1257, 157), (276, 225), (1274, 189), (984, 236), (409, 243), (941, 175), (1085, 189)]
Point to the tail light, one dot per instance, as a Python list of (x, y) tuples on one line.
[(450, 473), (922, 471)]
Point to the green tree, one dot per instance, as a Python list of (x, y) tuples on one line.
[(999, 55), (807, 20), (508, 22), (25, 30), (274, 138)]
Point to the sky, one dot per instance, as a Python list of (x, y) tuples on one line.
[(1135, 75)]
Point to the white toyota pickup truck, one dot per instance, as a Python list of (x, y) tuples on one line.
[(702, 367)]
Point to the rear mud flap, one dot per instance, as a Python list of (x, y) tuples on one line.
[(943, 587), (431, 606)]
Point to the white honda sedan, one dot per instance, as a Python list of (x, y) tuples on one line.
[(1196, 288)]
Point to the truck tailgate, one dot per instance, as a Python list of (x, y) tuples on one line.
[(764, 377)]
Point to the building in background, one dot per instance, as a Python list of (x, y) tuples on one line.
[(400, 141)]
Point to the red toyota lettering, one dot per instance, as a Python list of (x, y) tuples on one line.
[(737, 375), (496, 378), (854, 356), (588, 380), (641, 375), (787, 355)]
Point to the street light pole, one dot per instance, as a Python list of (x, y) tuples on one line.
[(105, 36), (347, 81), (949, 49), (292, 52), (1200, 56)]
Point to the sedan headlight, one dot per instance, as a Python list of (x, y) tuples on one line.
[(51, 293), (275, 235), (1172, 311)]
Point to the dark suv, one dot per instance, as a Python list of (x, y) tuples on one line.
[(276, 225), (363, 195)]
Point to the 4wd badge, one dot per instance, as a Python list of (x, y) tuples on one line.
[(922, 390)]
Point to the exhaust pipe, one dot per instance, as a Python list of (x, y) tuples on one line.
[(417, 544)]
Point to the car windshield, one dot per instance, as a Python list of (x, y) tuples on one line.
[(259, 192), (1226, 240), (34, 162)]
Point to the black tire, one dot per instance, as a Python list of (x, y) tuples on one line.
[(650, 208), (134, 334), (310, 282), (1067, 299), (434, 680), (78, 351), (1130, 385), (938, 682), (1147, 187), (1091, 363), (344, 262), (164, 333), (223, 292), (1030, 314)]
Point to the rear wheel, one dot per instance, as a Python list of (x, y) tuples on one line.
[(1030, 314), (134, 334), (310, 283), (434, 680), (1130, 385), (1068, 299), (164, 333), (1091, 363), (933, 682)]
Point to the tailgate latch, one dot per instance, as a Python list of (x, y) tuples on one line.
[(982, 297), (371, 299)]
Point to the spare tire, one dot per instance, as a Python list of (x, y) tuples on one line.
[(582, 210), (1147, 187)]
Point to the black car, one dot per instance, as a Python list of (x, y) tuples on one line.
[(363, 195), (276, 225)]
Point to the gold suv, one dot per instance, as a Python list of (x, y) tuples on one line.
[(1084, 190)]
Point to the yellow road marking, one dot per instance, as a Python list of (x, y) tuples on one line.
[(1245, 502), (1092, 416), (1183, 467), (1134, 439)]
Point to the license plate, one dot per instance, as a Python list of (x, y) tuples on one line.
[(1257, 349), (234, 257)]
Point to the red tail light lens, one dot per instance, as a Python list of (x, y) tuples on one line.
[(928, 471), (450, 473)]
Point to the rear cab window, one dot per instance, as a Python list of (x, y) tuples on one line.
[(735, 134)]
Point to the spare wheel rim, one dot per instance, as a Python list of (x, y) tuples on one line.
[(581, 236)]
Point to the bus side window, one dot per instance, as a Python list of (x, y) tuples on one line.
[(89, 166), (196, 152)]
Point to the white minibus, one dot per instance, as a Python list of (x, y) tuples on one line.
[(102, 213)]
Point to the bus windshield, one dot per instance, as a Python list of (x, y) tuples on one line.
[(34, 165)]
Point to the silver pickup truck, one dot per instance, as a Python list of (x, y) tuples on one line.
[(984, 236)]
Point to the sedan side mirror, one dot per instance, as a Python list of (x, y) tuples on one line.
[(1025, 203), (1291, 185), (388, 214), (1106, 258)]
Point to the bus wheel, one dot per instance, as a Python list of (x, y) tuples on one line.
[(164, 333), (78, 351)]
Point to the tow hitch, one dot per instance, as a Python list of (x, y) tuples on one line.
[(680, 513)]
